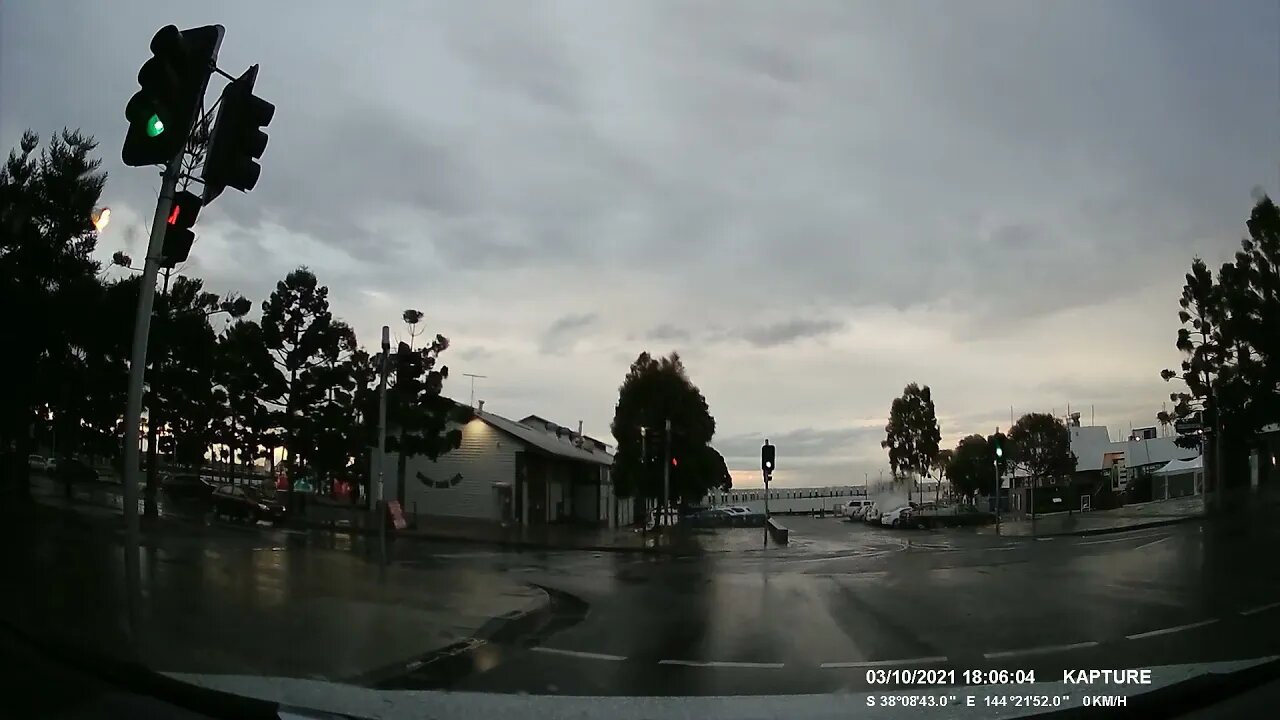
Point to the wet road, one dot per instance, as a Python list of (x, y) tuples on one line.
[(744, 625), (812, 618)]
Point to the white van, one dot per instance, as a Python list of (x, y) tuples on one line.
[(855, 509)]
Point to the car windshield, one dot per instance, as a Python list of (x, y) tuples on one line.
[(494, 352)]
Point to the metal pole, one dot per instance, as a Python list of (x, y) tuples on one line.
[(995, 464), (644, 464), (666, 476), (137, 375), (153, 414), (382, 442), (766, 506)]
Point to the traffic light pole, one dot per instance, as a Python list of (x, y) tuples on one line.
[(666, 478), (995, 464), (379, 501), (137, 376)]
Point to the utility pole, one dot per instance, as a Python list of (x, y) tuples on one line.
[(666, 475), (379, 507)]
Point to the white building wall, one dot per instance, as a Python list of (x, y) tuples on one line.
[(486, 456)]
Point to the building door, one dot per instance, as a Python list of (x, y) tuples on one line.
[(504, 502)]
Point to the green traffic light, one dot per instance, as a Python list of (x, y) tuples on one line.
[(154, 126), (999, 451)]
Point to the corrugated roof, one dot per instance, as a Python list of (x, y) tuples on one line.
[(544, 441), (1156, 451), (1090, 444)]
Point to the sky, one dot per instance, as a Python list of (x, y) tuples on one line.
[(813, 203)]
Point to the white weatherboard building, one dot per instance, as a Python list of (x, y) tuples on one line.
[(531, 472)]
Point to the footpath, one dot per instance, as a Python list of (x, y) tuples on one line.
[(218, 601), (1097, 522), (104, 498)]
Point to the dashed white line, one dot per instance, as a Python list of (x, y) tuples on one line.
[(579, 654), (1039, 650), (1174, 629), (1260, 608), (1044, 539), (883, 663), (1154, 542), (722, 664)]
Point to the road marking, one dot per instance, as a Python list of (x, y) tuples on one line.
[(1044, 539), (578, 653), (1154, 542), (1113, 540), (1001, 549), (1260, 608), (721, 663), (882, 663), (1174, 629), (1039, 650)]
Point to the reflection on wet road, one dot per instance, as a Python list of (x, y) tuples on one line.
[(812, 617)]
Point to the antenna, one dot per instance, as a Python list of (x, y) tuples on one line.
[(473, 377)]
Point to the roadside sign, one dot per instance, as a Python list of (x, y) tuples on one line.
[(1086, 503), (397, 515), (1186, 427)]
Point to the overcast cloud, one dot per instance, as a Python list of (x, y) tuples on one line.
[(815, 203)]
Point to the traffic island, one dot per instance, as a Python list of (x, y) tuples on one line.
[(780, 534)]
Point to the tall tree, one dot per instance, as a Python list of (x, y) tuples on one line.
[(418, 417), (247, 378), (299, 331), (654, 391), (47, 270), (1041, 448), (912, 435), (971, 468), (1200, 341)]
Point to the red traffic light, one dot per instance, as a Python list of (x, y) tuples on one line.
[(186, 206), (674, 462)]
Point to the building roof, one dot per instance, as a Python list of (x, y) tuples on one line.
[(538, 438), (544, 441), (540, 423), (1090, 444), (1155, 451)]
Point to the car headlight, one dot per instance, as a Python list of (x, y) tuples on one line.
[(263, 507)]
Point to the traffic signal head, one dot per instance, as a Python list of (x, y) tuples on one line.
[(767, 457), (674, 462), (237, 140), (172, 84), (178, 236)]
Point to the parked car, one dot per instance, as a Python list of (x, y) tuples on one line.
[(37, 463), (897, 516), (712, 517), (73, 470), (246, 503), (187, 485), (872, 514)]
